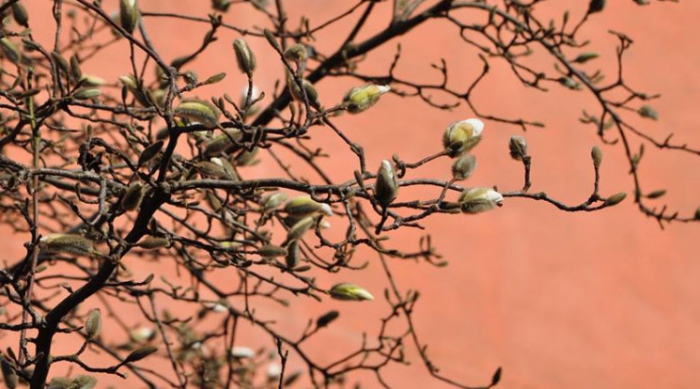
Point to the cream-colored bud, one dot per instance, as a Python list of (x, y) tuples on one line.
[(228, 168), (200, 111), (129, 15), (462, 136), (83, 382), (244, 56), (386, 187), (304, 206), (349, 292), (361, 98), (477, 200), (241, 352), (273, 371), (463, 167), (518, 147), (273, 200), (142, 334), (297, 92), (299, 228), (89, 80), (86, 93), (93, 323)]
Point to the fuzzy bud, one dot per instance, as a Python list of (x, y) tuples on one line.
[(293, 255), (133, 196), (597, 156), (349, 292), (153, 243), (361, 98), (199, 111), (615, 199), (19, 13), (273, 200), (9, 375), (140, 354), (244, 56), (387, 187), (272, 251), (150, 152), (518, 147), (296, 52), (327, 319), (10, 50), (86, 93), (460, 137), (298, 93), (93, 324), (463, 167), (83, 382), (129, 15), (477, 200), (67, 243), (222, 142), (142, 334), (303, 206), (299, 228)]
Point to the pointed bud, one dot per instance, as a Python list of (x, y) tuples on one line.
[(272, 251), (460, 137), (299, 228), (129, 15), (585, 57), (615, 199), (10, 50), (132, 197), (86, 93), (349, 292), (327, 319), (597, 156), (228, 168), (75, 70), (142, 334), (153, 243), (199, 111), (222, 142), (140, 354), (596, 6), (517, 147), (387, 187), (244, 56), (246, 157), (303, 206), (19, 13), (60, 383), (297, 92), (361, 98), (656, 194), (88, 80), (211, 169), (150, 152), (273, 200), (292, 258), (9, 375), (463, 167), (67, 243), (477, 200), (93, 324), (221, 5), (296, 52)]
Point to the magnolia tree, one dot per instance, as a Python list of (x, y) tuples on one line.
[(99, 173)]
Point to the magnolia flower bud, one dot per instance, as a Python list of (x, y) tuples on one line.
[(327, 319), (132, 197), (273, 200), (597, 156), (478, 200), (615, 199), (93, 324), (222, 142), (221, 5), (247, 157), (349, 292), (240, 352), (68, 243), (83, 382), (296, 52), (518, 147), (228, 168), (19, 13), (697, 214), (211, 169), (199, 111), (129, 15), (460, 137), (292, 258), (60, 383), (90, 80), (271, 251), (273, 371), (303, 206), (361, 98), (299, 228), (150, 152), (463, 167), (244, 56), (10, 50), (298, 94), (153, 243), (9, 375), (142, 334), (86, 93), (387, 187), (140, 354)]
